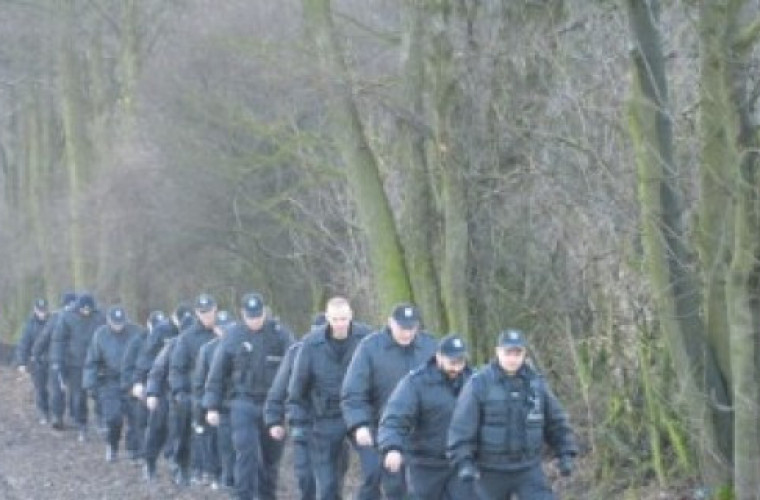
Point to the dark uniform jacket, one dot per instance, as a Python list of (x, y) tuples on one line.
[(157, 383), (185, 356), (41, 347), (274, 406), (245, 364), (502, 422), (72, 336), (104, 356), (153, 344), (417, 416), (129, 362), (32, 330), (202, 367), (318, 373), (378, 364)]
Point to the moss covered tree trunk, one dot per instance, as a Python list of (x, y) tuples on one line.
[(74, 141), (449, 154), (418, 222), (669, 260), (386, 256)]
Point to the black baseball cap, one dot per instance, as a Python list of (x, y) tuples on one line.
[(512, 338), (406, 315), (453, 346), (117, 315), (204, 303), (253, 305)]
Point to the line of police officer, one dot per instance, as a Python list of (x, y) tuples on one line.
[(217, 396)]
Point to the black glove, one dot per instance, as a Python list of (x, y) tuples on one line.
[(566, 465), (468, 471)]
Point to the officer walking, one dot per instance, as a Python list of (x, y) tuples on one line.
[(181, 367), (244, 367), (29, 363), (137, 413), (275, 415), (102, 373), (41, 353), (157, 394), (416, 419), (380, 361), (211, 461), (503, 417), (314, 394), (71, 339)]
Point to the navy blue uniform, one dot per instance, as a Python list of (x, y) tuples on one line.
[(137, 413), (181, 368), (153, 344), (275, 414), (69, 343), (160, 430), (208, 460), (415, 422), (41, 350), (500, 424), (37, 366), (102, 372), (314, 400), (243, 369), (378, 364)]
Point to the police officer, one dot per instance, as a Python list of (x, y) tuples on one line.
[(70, 341), (380, 361), (157, 395), (416, 420), (211, 461), (102, 373), (41, 352), (503, 417), (27, 362), (275, 415), (314, 393), (137, 413), (244, 367), (181, 368)]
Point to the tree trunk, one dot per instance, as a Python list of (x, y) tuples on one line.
[(451, 161), (743, 287), (386, 256), (677, 297), (418, 220), (73, 130)]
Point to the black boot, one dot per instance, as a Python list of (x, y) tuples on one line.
[(111, 453), (149, 471)]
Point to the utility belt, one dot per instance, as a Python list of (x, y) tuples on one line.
[(247, 396), (515, 457)]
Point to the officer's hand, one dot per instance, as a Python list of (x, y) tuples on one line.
[(393, 460), (212, 417), (277, 432), (468, 471), (363, 436), (151, 403), (566, 465), (138, 390)]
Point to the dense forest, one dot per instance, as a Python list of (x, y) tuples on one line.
[(584, 171)]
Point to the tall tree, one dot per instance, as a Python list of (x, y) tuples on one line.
[(669, 260), (386, 255)]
